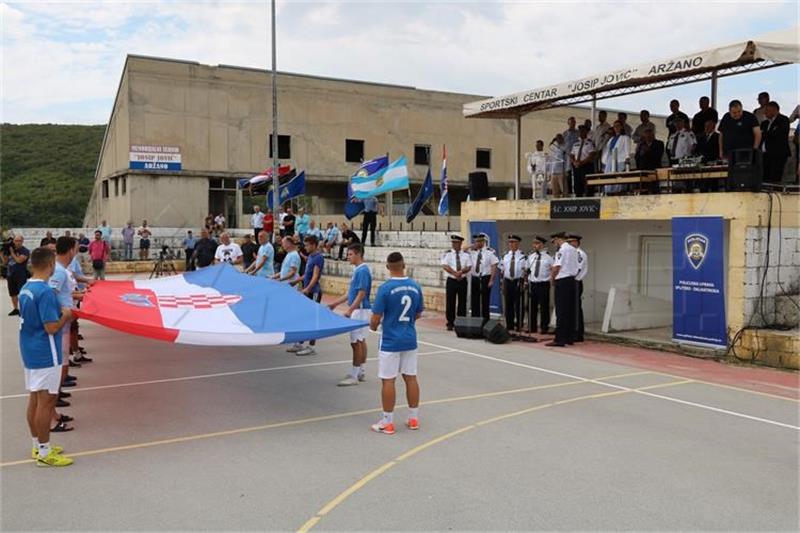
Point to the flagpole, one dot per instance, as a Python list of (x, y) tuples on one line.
[(275, 178)]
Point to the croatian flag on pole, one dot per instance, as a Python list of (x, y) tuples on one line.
[(214, 306), (444, 202)]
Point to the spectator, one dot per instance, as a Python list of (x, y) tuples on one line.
[(268, 225), (332, 235), (264, 265), (348, 237), (675, 106), (616, 155), (761, 111), (249, 251), (623, 117), (738, 130), (208, 223), (555, 166), (708, 142), (302, 221), (257, 221), (144, 241), (105, 229), (369, 220), (706, 113), (649, 152), (189, 244), (289, 223), (681, 143), (645, 124), (582, 156), (48, 239), (83, 243), (99, 251), (127, 240), (82, 282), (601, 134), (570, 138), (204, 250), (537, 167), (67, 233), (17, 271), (588, 124), (315, 231), (219, 223), (311, 283), (775, 143), (227, 252), (290, 266)]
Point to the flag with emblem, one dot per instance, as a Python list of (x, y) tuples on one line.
[(444, 201)]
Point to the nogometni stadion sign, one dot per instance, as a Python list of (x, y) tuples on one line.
[(155, 157)]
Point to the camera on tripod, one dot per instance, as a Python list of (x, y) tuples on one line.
[(166, 253), (164, 266)]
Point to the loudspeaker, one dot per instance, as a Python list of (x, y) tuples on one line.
[(744, 170), (469, 327), (495, 332), (478, 185)]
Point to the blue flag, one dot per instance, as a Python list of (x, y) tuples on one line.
[(422, 197), (392, 178), (352, 207), (444, 202), (373, 167), (296, 187)]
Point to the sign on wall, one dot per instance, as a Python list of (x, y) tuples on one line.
[(575, 208), (698, 281), (489, 227), (155, 157)]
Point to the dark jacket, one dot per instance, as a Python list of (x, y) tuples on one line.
[(708, 147), (775, 137), (649, 158)]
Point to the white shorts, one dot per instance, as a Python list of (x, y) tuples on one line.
[(392, 363), (48, 379), (360, 334)]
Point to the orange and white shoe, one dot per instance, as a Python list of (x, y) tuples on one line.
[(412, 423), (381, 427)]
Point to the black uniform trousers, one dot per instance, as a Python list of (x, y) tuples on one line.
[(539, 306), (566, 300), (480, 296), (579, 311), (580, 179), (512, 289), (368, 224), (456, 299), (189, 262), (773, 167)]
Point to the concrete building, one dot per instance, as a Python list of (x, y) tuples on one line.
[(181, 133)]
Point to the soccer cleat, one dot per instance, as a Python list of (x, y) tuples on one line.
[(35, 451), (53, 459), (308, 350), (380, 427), (296, 347), (412, 423), (349, 381)]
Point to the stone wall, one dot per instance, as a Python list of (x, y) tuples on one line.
[(781, 285)]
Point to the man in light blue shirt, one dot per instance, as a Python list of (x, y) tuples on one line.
[(127, 240), (331, 236), (301, 222), (188, 247), (105, 230), (264, 265), (290, 268), (314, 231)]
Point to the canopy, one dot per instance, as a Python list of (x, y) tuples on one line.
[(770, 50), (216, 305)]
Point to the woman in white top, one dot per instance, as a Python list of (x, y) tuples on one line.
[(555, 166), (616, 153)]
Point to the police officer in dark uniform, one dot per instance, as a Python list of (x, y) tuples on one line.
[(457, 264), (514, 264), (565, 268)]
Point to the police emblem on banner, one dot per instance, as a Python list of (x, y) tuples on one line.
[(696, 249)]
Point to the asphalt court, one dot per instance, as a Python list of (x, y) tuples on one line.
[(513, 437)]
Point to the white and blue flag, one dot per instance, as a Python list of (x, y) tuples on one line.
[(392, 178)]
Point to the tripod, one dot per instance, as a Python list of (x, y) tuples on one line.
[(163, 267)]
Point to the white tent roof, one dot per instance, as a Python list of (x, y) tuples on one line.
[(770, 50)]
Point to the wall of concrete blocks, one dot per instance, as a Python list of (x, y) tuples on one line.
[(781, 285)]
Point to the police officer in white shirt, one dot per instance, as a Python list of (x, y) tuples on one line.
[(514, 264), (583, 268), (565, 268), (582, 156), (539, 265), (457, 264), (681, 143), (484, 273)]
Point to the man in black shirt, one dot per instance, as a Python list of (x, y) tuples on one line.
[(204, 250), (738, 130), (708, 142), (649, 151), (348, 237), (48, 239), (288, 223), (699, 119), (249, 251), (775, 143), (675, 106)]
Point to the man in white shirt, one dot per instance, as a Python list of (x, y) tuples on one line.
[(562, 274), (228, 252), (257, 221), (484, 272), (582, 157), (514, 264), (600, 136), (537, 168), (583, 268), (681, 143), (539, 265), (456, 263)]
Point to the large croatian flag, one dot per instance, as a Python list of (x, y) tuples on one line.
[(217, 306)]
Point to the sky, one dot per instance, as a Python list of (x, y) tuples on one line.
[(61, 62)]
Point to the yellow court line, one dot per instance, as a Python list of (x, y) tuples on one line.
[(358, 485), (731, 387)]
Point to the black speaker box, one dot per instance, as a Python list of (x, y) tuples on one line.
[(744, 170), (478, 185), (469, 327), (495, 332)]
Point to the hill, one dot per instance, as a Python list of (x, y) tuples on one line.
[(46, 173)]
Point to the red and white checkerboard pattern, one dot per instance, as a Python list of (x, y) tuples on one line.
[(198, 301)]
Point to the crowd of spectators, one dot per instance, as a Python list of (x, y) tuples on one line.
[(615, 147)]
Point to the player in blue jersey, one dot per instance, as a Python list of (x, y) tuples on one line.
[(398, 305)]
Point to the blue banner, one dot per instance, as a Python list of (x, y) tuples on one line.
[(489, 227), (296, 187), (422, 198), (698, 281), (153, 165)]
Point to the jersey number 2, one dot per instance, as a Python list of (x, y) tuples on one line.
[(406, 301)]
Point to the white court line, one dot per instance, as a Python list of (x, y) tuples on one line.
[(216, 375), (618, 387)]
